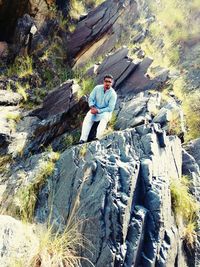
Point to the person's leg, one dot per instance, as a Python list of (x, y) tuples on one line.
[(87, 125), (102, 124)]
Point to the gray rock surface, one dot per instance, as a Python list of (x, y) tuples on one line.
[(171, 118), (59, 114), (124, 198), (9, 98), (130, 77), (98, 32), (191, 169), (17, 241), (193, 148), (138, 110), (7, 113)]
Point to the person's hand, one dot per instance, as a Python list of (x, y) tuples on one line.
[(93, 110)]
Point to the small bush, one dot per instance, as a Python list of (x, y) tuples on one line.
[(22, 67)]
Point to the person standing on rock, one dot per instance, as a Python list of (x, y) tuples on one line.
[(102, 102)]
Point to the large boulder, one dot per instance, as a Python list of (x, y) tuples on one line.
[(122, 194), (130, 76), (99, 31), (59, 114), (137, 110)]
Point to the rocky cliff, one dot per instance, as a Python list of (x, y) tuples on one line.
[(119, 201)]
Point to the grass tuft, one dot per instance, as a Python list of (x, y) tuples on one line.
[(185, 208), (26, 197)]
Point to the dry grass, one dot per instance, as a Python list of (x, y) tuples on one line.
[(5, 162), (61, 248), (185, 208), (26, 196), (191, 110)]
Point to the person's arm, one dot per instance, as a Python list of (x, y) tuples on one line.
[(111, 104), (92, 98)]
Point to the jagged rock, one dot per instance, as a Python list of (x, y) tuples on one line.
[(58, 101), (171, 118), (9, 98), (6, 127), (124, 198), (190, 168), (18, 242), (139, 37), (130, 77), (98, 32), (59, 114), (23, 35), (193, 149), (137, 110)]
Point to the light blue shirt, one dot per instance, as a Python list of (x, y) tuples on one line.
[(103, 101)]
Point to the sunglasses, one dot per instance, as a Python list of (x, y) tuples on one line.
[(107, 81)]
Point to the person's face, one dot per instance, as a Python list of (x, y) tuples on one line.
[(107, 83)]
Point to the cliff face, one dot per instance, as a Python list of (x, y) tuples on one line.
[(122, 186), (118, 187)]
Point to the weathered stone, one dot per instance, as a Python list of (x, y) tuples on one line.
[(97, 33), (9, 98), (58, 101), (128, 211), (138, 81), (18, 242), (23, 36), (171, 118), (138, 110), (129, 76), (191, 169), (193, 148), (7, 118), (58, 114)]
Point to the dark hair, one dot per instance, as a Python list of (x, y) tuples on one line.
[(108, 76)]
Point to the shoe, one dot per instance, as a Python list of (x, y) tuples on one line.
[(81, 142), (95, 139)]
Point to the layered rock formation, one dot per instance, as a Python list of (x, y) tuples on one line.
[(123, 195), (119, 187), (191, 169), (96, 34)]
